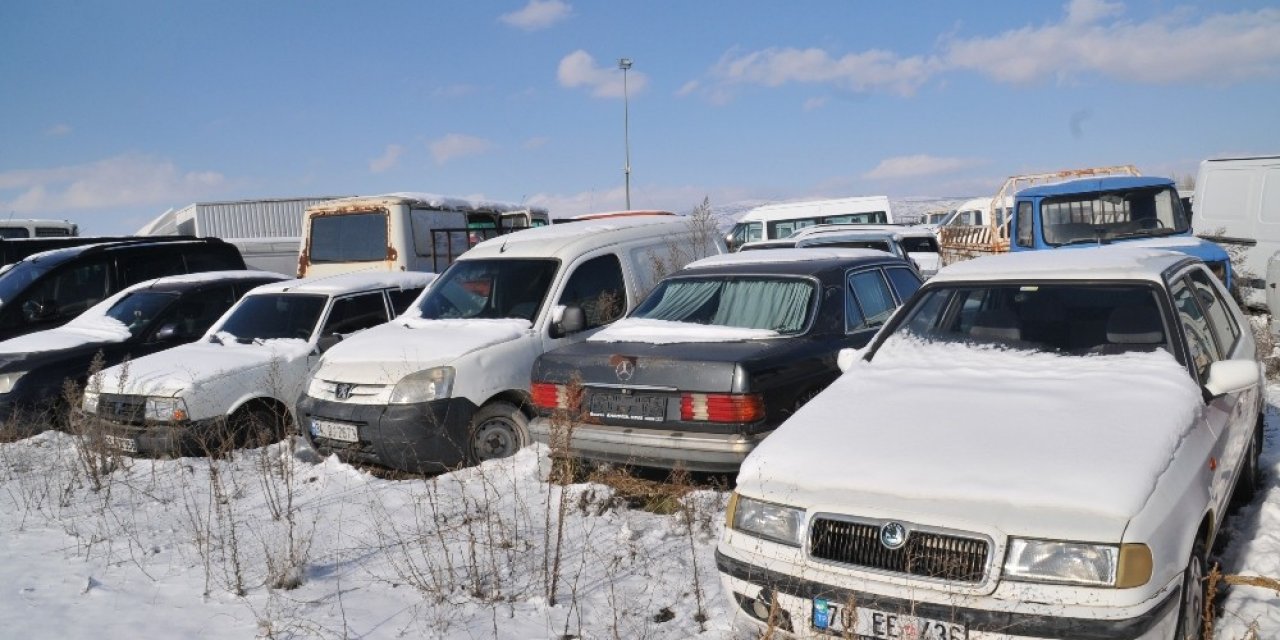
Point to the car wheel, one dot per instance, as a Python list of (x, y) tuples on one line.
[(498, 430), (1251, 474), (1191, 610), (258, 427)]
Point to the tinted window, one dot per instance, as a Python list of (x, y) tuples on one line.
[(919, 245), (870, 302), (213, 258), (352, 237), (197, 311), (14, 232), (904, 282), (67, 292), (401, 299), (1026, 226), (597, 287), (355, 313), (512, 288), (274, 315), (139, 309), (136, 267)]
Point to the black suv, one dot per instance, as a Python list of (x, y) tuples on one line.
[(48, 289), (144, 319)]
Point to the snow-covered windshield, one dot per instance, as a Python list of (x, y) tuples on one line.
[(1133, 213), (497, 288), (139, 309), (270, 316), (1072, 319), (777, 304)]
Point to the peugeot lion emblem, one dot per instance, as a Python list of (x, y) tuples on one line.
[(342, 390), (625, 370), (893, 535)]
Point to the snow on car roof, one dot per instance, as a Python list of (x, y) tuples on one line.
[(350, 283), (786, 255), (431, 200), (1110, 262), (209, 276), (551, 240)]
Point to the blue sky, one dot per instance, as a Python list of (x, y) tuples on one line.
[(113, 112)]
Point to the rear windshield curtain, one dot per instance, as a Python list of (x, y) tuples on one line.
[(352, 237)]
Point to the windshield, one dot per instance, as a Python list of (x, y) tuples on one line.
[(1073, 319), (137, 310), (1109, 215), (269, 316), (779, 304), (350, 237), (513, 288), (20, 276)]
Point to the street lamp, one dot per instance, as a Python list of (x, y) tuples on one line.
[(624, 64)]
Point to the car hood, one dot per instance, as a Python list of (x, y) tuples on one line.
[(189, 366), (387, 353), (60, 339), (1018, 438)]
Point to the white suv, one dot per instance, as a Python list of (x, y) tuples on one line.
[(1091, 415)]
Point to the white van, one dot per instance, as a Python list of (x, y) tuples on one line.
[(402, 231), (1237, 205), (775, 221), (447, 383), (976, 211), (13, 228)]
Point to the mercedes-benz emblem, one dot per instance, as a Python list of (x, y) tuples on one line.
[(342, 390), (893, 535), (625, 370)]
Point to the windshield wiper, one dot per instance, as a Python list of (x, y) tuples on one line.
[(1154, 233)]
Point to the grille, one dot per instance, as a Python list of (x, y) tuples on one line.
[(122, 408), (927, 555)]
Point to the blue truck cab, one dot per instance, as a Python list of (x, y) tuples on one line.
[(1142, 211)]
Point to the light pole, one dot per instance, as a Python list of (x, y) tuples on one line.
[(624, 64)]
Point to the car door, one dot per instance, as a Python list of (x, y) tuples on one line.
[(1219, 414), (596, 286)]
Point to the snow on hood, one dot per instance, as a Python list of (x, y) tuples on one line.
[(187, 367), (64, 337), (1011, 429), (669, 332), (386, 353)]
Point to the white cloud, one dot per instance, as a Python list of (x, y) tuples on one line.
[(124, 180), (579, 69), (388, 159), (457, 145), (58, 130), (536, 142), (679, 199), (872, 70), (815, 103), (538, 14), (918, 165)]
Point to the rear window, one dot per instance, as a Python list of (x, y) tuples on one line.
[(351, 237), (919, 245), (778, 304)]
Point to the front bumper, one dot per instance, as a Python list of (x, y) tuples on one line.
[(706, 452), (745, 582), (195, 438), (428, 437)]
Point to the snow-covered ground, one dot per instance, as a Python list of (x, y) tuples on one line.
[(195, 548)]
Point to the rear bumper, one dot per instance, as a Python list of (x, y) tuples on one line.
[(708, 452), (428, 437)]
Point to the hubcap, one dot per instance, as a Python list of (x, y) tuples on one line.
[(495, 439)]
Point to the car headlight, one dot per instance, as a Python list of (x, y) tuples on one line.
[(166, 409), (1082, 563), (8, 380), (423, 386), (767, 520), (89, 402)]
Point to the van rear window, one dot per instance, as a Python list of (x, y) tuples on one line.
[(352, 237)]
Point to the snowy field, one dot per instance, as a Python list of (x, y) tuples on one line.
[(276, 543)]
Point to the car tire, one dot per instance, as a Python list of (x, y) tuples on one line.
[(498, 430), (1250, 479), (258, 427), (1192, 596)]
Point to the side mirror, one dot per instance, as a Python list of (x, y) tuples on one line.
[(1230, 376), (728, 242), (571, 320), (847, 357), (326, 343), (167, 333)]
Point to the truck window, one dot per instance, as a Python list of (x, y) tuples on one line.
[(1143, 212), (350, 237), (597, 287), (1026, 229)]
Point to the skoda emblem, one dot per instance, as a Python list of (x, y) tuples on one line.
[(342, 390), (625, 370), (893, 535)]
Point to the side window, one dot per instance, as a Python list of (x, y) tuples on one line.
[(904, 282), (869, 302), (1220, 317), (402, 298), (598, 288), (1194, 326), (355, 313), (200, 261), (148, 265), (195, 312), (1025, 224), (67, 292)]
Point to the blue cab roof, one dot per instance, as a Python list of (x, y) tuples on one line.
[(1089, 185)]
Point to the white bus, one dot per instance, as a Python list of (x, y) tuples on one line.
[(781, 220), (38, 229)]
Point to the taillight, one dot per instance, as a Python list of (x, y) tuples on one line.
[(722, 407), (549, 396)]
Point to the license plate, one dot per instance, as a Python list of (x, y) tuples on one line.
[(648, 408), (127, 445), (334, 430), (862, 622)]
